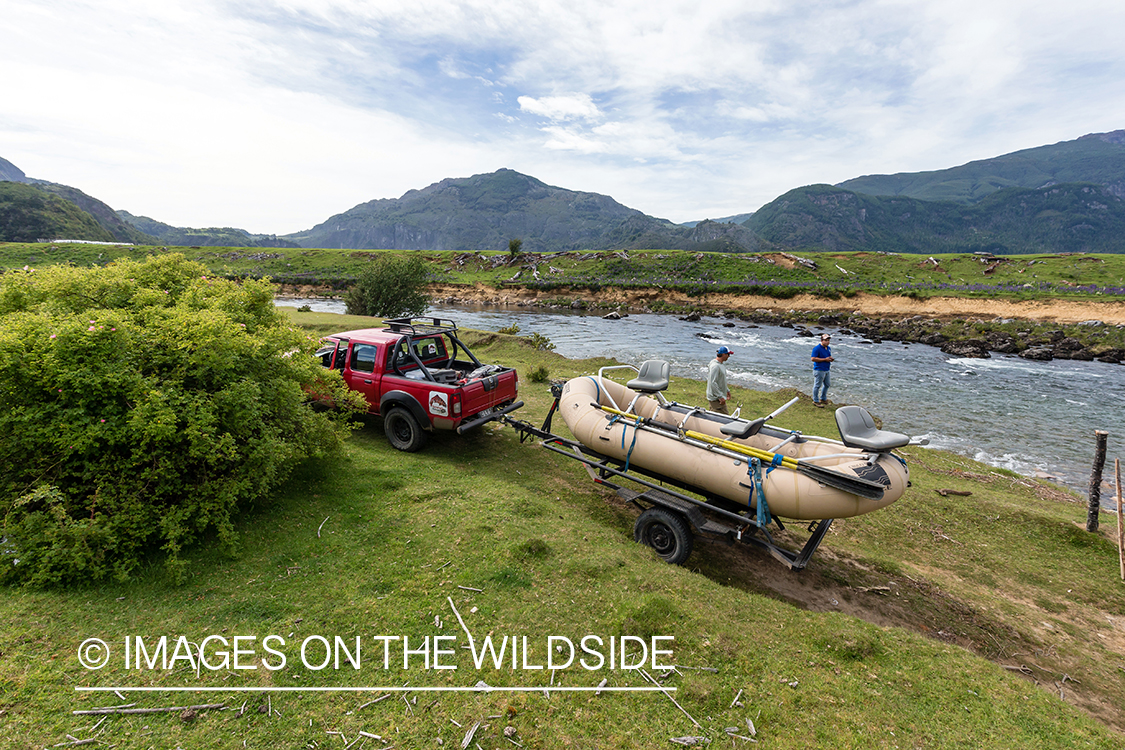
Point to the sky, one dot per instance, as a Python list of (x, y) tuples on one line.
[(274, 116)]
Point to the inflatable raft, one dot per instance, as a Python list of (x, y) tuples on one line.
[(735, 461)]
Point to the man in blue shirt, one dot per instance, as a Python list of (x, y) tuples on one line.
[(822, 362)]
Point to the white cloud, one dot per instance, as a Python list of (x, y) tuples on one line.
[(274, 115), (561, 108)]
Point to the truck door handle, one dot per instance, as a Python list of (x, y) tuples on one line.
[(368, 382)]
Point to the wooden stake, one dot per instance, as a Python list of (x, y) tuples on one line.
[(1094, 503), (1120, 525)]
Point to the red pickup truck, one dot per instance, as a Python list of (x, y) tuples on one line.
[(420, 376)]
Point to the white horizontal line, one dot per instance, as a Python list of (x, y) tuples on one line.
[(473, 689)]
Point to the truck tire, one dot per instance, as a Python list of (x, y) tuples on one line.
[(666, 533), (403, 430)]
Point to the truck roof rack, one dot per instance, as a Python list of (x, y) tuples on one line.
[(421, 326)]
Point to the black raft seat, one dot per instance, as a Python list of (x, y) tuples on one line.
[(741, 428), (858, 430)]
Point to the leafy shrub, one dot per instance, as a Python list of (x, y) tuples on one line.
[(143, 405), (511, 330), (539, 374), (392, 286), (541, 342)]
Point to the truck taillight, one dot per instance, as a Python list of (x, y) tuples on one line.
[(457, 404)]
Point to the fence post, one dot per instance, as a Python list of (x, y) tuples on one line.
[(1094, 503), (1120, 525)]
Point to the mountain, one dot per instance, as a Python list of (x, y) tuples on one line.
[(1098, 158), (485, 211), (1069, 217), (11, 172), (210, 237), (29, 213), (119, 230), (115, 230), (736, 219)]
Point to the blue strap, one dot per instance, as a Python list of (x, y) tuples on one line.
[(777, 459), (636, 425), (763, 511)]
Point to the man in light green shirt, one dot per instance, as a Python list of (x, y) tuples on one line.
[(717, 391)]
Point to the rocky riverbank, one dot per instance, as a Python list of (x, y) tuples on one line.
[(963, 327)]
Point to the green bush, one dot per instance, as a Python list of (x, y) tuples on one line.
[(392, 286), (143, 405), (539, 374), (511, 330), (541, 342)]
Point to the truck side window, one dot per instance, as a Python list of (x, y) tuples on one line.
[(363, 357), (401, 357)]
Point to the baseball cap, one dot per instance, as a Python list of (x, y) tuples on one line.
[(723, 350)]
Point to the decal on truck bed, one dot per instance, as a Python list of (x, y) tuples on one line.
[(439, 403)]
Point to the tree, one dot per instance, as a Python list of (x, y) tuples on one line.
[(143, 405), (392, 286), (514, 247)]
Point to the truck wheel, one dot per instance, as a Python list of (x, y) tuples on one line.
[(403, 430), (666, 533)]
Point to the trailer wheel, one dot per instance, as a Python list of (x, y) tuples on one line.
[(403, 430), (666, 533)]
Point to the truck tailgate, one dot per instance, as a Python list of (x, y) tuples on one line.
[(485, 393)]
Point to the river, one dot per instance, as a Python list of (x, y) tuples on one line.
[(1009, 412)]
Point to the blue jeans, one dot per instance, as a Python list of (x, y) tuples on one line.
[(821, 381)]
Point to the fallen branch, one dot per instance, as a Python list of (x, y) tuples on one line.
[(648, 677), (201, 707), (947, 493), (469, 736), (318, 528)]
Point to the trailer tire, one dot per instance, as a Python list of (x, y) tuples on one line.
[(403, 430), (666, 533)]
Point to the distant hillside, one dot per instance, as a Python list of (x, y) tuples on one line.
[(485, 211), (29, 213), (1071, 217), (103, 214), (1098, 158), (209, 237), (11, 172), (736, 219)]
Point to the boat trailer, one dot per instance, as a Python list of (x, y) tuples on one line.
[(669, 517)]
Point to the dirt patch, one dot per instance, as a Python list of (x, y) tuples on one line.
[(836, 583), (1061, 311)]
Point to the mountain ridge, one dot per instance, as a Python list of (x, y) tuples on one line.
[(1077, 187)]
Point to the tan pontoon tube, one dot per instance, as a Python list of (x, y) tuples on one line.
[(688, 445)]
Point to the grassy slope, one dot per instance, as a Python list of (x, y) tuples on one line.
[(889, 274), (1003, 572)]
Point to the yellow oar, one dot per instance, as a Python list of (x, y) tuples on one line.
[(848, 483)]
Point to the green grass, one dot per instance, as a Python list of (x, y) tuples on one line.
[(376, 542), (692, 272)]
